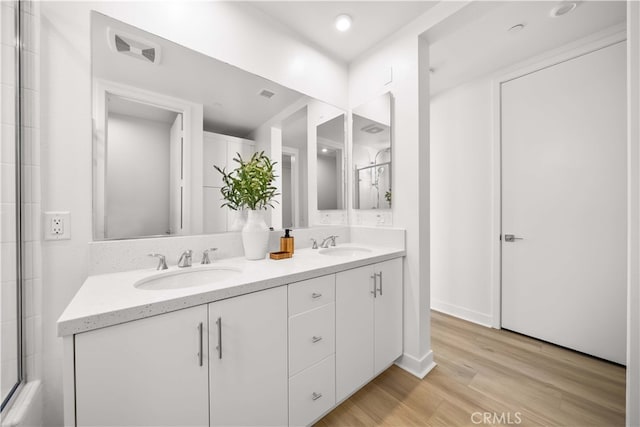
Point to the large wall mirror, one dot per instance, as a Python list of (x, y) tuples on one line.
[(372, 130), (330, 163), (165, 114)]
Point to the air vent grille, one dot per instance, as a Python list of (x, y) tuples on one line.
[(372, 128), (266, 93), (134, 47)]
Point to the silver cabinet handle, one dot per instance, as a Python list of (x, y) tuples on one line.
[(219, 348), (315, 295), (316, 396), (374, 285), (380, 288), (200, 355), (316, 339), (511, 238)]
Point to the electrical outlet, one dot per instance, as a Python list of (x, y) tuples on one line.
[(57, 226)]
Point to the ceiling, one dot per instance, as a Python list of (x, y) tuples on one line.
[(475, 42), (373, 21), (229, 95)]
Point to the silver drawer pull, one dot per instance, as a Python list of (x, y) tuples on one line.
[(219, 347), (315, 295), (316, 396), (316, 339), (200, 353)]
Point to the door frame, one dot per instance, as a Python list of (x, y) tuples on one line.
[(597, 41), (190, 112), (295, 186)]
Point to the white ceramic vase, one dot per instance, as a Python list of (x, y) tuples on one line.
[(255, 236), (239, 219)]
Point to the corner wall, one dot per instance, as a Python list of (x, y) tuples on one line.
[(406, 55), (462, 201)]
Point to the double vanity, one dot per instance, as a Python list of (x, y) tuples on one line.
[(234, 342)]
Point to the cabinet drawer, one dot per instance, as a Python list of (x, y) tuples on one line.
[(312, 393), (312, 293), (311, 337)]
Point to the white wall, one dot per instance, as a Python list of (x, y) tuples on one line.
[(407, 55), (221, 29), (461, 201), (137, 177), (633, 302)]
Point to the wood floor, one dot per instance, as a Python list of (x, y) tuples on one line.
[(490, 377)]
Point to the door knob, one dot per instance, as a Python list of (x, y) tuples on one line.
[(511, 238)]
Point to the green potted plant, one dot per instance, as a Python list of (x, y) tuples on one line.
[(250, 186)]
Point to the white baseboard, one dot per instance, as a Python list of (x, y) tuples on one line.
[(463, 313), (417, 367)]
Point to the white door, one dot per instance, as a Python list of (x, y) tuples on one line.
[(147, 372), (388, 313), (248, 359), (564, 195), (176, 177), (354, 330)]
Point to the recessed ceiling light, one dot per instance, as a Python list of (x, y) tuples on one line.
[(343, 22), (516, 28), (563, 9), (324, 150)]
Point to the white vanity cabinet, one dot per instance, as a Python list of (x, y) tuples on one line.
[(368, 323), (274, 357), (147, 372), (311, 349), (248, 359)]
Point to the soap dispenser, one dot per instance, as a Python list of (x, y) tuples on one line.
[(286, 242)]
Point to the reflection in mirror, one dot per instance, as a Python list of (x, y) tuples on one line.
[(372, 154), (140, 199), (331, 160), (164, 115), (294, 170)]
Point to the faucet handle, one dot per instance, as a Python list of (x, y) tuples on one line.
[(205, 255), (333, 240), (315, 243), (162, 261)]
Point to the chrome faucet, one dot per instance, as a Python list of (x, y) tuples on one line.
[(162, 261), (185, 259), (325, 242), (205, 256)]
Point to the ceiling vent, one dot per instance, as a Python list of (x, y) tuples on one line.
[(266, 93), (372, 128), (134, 46)]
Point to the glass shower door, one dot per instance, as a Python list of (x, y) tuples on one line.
[(10, 209)]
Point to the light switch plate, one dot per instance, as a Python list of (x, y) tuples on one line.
[(57, 226)]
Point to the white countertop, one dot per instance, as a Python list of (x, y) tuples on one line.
[(110, 299)]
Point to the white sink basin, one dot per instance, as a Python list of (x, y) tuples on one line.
[(345, 251), (186, 278)]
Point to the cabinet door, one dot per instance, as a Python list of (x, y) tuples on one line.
[(215, 217), (144, 373), (214, 152), (388, 313), (354, 330), (248, 363)]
